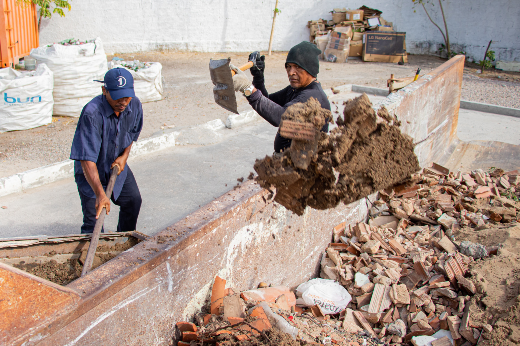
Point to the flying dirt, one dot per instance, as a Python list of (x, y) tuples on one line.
[(365, 153)]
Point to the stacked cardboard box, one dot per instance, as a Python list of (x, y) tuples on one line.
[(359, 21)]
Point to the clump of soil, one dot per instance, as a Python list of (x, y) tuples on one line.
[(359, 157)]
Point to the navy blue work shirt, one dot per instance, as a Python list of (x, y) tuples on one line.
[(101, 137)]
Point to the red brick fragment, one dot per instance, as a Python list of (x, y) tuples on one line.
[(189, 336), (186, 327)]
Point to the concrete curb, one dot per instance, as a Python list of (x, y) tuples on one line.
[(65, 169), (487, 108), (203, 134), (200, 135)]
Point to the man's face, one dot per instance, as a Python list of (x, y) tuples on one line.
[(298, 77), (118, 105)]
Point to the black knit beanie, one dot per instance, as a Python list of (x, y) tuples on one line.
[(305, 55)]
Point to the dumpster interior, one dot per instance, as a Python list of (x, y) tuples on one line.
[(60, 259)]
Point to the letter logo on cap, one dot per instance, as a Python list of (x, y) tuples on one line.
[(122, 81)]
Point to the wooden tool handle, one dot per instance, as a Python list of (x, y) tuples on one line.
[(99, 224), (243, 67)]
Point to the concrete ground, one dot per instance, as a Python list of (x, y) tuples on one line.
[(175, 182), (188, 98)]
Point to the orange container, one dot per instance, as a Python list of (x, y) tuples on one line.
[(18, 31)]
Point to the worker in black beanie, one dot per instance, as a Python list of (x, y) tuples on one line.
[(302, 66)]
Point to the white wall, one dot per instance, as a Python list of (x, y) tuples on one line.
[(245, 25)]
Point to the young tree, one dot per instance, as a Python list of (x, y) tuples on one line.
[(444, 34), (48, 7)]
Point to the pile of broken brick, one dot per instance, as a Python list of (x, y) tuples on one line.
[(404, 270)]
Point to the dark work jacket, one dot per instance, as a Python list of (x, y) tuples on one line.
[(272, 106)]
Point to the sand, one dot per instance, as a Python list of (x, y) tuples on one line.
[(497, 279)]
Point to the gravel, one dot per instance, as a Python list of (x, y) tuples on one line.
[(505, 94)]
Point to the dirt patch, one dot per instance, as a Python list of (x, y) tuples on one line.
[(497, 279), (359, 157), (65, 273), (59, 273)]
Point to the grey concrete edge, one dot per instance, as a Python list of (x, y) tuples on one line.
[(487, 108), (470, 105), (40, 176), (21, 182)]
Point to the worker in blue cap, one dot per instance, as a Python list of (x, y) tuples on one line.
[(107, 127)]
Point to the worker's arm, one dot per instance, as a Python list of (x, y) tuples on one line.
[(267, 108), (121, 160), (91, 173)]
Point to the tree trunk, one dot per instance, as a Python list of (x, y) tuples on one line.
[(438, 27), (447, 38)]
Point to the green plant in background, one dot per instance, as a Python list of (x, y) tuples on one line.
[(442, 48), (444, 33), (48, 7), (490, 57)]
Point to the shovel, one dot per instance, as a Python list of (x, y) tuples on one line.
[(222, 78), (99, 224)]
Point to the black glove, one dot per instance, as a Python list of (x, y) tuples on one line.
[(257, 71)]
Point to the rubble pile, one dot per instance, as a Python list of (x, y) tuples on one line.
[(407, 278), (263, 316), (405, 270), (365, 153)]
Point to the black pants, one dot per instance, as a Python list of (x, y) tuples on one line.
[(129, 202)]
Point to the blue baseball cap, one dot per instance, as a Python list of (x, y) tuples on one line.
[(119, 82)]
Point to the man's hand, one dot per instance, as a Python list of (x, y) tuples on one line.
[(102, 202), (120, 162), (257, 71), (240, 80)]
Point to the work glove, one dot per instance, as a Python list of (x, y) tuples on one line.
[(257, 71), (240, 80)]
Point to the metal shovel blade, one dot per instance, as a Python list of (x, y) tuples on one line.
[(223, 91)]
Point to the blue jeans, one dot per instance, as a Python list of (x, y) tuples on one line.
[(129, 202)]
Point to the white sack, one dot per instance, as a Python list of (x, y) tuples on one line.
[(328, 294), (147, 81), (26, 98), (75, 68)]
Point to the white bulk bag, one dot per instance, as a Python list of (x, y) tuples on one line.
[(75, 68), (26, 98), (147, 80)]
